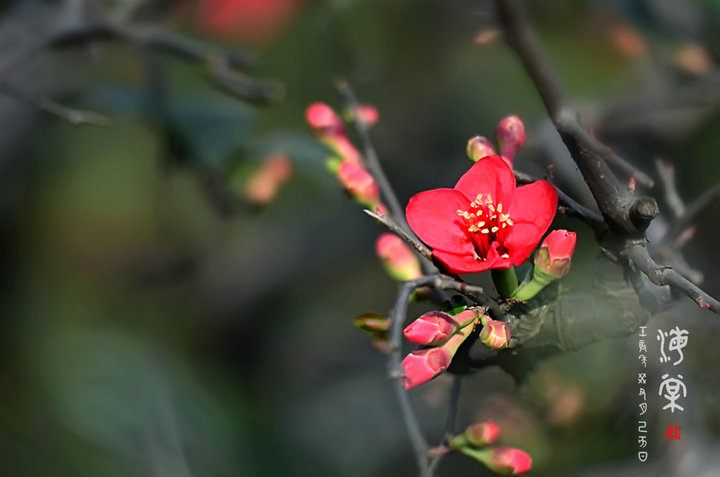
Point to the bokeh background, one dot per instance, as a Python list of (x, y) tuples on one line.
[(153, 323)]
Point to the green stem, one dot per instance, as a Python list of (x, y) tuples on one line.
[(539, 281), (505, 281)]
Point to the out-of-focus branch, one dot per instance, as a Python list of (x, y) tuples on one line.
[(76, 117), (222, 67), (693, 212)]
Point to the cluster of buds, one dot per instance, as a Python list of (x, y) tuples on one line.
[(552, 261), (346, 162), (263, 184), (474, 442), (440, 334), (510, 136), (399, 260)]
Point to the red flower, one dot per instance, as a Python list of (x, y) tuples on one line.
[(484, 222)]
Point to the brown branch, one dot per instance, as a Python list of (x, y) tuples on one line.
[(627, 215)]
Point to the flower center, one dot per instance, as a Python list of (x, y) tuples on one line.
[(486, 225)]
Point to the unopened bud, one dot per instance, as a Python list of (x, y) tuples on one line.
[(372, 323), (431, 329), (359, 183), (510, 134), (397, 257), (365, 113), (421, 365), (264, 183), (509, 461), (555, 253), (482, 434), (323, 120), (328, 127), (495, 334), (479, 147)]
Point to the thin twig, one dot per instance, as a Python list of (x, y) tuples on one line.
[(659, 275), (672, 197), (453, 401), (419, 444), (592, 218), (694, 211), (371, 158), (392, 226), (76, 117)]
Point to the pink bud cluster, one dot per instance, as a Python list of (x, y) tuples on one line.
[(441, 334), (346, 162), (510, 136), (474, 443)]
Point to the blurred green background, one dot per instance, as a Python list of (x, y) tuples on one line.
[(154, 324)]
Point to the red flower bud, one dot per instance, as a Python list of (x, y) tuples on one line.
[(507, 460), (422, 365), (495, 334), (365, 113), (510, 134), (479, 147), (482, 434), (323, 120), (397, 257), (263, 184), (555, 253), (431, 329), (359, 183)]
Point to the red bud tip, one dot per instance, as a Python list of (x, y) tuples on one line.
[(482, 434), (397, 257), (510, 134), (556, 252), (422, 365), (507, 460), (365, 113), (431, 329), (359, 183), (495, 334), (324, 121), (264, 183), (479, 147)]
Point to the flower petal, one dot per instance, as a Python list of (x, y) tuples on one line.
[(467, 263), (433, 217), (532, 210), (522, 241), (490, 175)]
